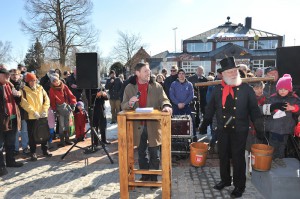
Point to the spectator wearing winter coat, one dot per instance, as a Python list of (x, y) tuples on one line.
[(281, 106), (81, 118), (63, 102), (35, 102), (114, 86), (169, 80), (71, 82), (181, 94), (15, 79), (10, 123), (45, 80)]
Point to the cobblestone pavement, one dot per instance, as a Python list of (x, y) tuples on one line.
[(92, 175)]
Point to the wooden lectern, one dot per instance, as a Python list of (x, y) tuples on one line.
[(126, 152)]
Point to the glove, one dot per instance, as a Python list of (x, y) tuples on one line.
[(278, 105), (259, 128), (203, 127), (36, 115), (43, 115)]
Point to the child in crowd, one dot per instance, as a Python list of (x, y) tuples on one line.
[(81, 118), (282, 106)]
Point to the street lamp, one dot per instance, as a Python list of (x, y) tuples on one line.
[(175, 37)]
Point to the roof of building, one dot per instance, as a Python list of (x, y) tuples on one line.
[(230, 29)]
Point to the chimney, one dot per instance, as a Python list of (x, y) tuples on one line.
[(248, 22)]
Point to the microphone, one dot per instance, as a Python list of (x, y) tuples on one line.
[(138, 94)]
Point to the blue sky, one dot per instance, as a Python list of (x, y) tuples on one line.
[(155, 19)]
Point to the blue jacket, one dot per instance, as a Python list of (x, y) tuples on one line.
[(181, 92)]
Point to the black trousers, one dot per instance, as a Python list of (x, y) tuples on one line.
[(231, 145)]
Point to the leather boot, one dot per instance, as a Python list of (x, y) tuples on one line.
[(67, 140), (103, 138)]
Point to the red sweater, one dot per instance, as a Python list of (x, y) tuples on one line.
[(60, 95)]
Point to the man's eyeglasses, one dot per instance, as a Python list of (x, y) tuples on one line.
[(173, 70)]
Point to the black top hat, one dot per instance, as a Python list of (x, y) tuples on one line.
[(227, 63)]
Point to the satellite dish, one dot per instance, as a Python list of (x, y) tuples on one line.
[(256, 38)]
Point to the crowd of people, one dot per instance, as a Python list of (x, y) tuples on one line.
[(234, 110), (27, 99)]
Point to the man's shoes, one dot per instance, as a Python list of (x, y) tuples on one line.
[(3, 171), (14, 164), (47, 154), (237, 192), (221, 185), (26, 151), (33, 157), (106, 142), (68, 142), (59, 145)]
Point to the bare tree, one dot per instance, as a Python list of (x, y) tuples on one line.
[(60, 25), (5, 49), (105, 63), (128, 44)]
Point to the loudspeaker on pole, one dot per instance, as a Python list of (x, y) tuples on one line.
[(88, 71)]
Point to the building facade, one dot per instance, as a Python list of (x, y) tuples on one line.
[(255, 48)]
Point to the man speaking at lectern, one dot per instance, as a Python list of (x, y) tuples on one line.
[(146, 134)]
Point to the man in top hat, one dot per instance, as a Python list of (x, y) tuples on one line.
[(232, 102)]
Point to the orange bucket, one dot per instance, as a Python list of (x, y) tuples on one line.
[(198, 153), (261, 157)]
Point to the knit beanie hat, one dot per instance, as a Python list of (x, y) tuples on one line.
[(29, 77), (80, 103), (285, 82), (53, 77)]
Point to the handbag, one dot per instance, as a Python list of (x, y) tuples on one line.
[(41, 131)]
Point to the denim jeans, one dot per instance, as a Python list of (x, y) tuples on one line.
[(7, 140), (150, 160), (24, 136)]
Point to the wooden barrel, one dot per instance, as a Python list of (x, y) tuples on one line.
[(261, 157), (198, 153)]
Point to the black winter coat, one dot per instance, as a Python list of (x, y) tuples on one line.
[(245, 105)]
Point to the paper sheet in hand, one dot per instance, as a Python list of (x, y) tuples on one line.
[(144, 110)]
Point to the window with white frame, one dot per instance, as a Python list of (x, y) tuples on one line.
[(191, 66), (264, 63), (263, 44), (199, 47)]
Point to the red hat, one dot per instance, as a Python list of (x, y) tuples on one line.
[(29, 77), (285, 82)]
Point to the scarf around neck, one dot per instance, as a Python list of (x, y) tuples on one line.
[(227, 89)]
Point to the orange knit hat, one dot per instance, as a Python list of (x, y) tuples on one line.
[(29, 77)]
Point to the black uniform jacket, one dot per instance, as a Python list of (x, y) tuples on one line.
[(241, 107)]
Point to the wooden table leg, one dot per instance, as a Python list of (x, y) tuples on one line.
[(123, 157), (166, 157), (130, 152)]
